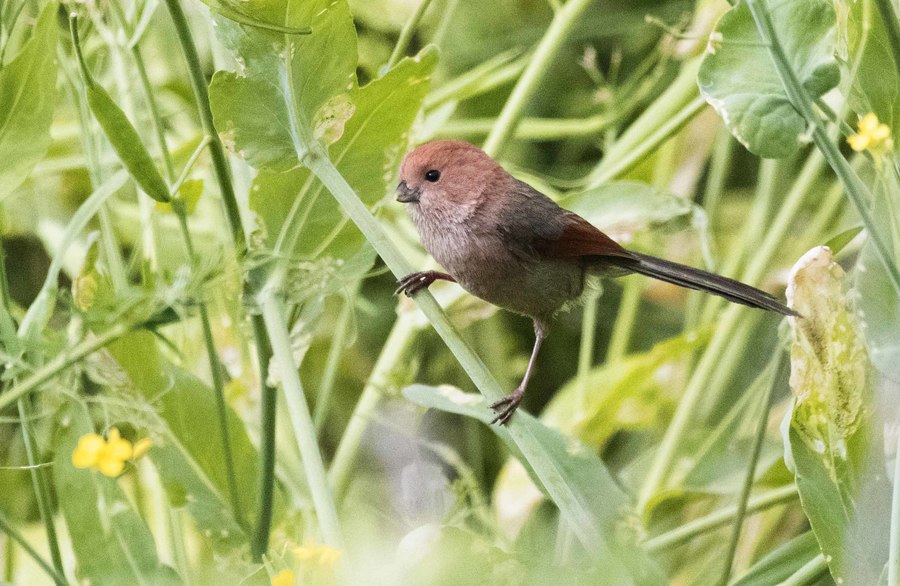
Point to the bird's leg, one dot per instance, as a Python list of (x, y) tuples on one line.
[(415, 282), (506, 406)]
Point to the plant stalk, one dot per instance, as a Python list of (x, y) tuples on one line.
[(774, 371), (276, 321), (563, 22), (719, 518)]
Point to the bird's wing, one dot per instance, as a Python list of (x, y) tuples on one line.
[(533, 226)]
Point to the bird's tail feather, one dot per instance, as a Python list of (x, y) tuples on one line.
[(692, 278)]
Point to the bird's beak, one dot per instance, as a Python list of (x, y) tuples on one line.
[(407, 195)]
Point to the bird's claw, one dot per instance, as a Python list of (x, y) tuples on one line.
[(412, 284), (505, 407)]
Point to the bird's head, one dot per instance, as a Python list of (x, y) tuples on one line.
[(446, 174)]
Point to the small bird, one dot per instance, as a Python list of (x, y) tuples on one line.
[(507, 243)]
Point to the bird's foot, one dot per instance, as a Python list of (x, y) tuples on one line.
[(505, 407), (414, 282)]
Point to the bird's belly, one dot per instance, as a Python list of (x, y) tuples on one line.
[(537, 288)]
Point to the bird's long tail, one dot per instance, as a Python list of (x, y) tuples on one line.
[(693, 278)]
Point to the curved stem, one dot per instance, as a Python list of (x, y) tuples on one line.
[(772, 373), (323, 399), (563, 22), (645, 147), (811, 571), (15, 536), (719, 518), (406, 34), (276, 323)]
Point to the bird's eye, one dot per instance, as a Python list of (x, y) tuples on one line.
[(432, 175)]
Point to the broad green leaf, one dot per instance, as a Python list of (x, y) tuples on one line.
[(190, 458), (586, 474), (271, 112), (127, 143), (27, 100), (263, 14), (111, 542), (781, 563), (624, 208), (367, 154), (738, 77), (832, 439)]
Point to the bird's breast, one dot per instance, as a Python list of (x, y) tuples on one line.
[(484, 266)]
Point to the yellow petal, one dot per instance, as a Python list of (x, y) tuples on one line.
[(329, 555), (868, 123), (110, 466), (859, 142), (881, 132), (113, 435), (141, 447), (87, 451), (119, 449), (283, 578)]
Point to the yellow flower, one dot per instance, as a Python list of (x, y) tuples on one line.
[(872, 135), (88, 450), (320, 555), (107, 455), (283, 578)]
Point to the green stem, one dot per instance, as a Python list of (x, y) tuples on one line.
[(545, 468), (690, 402), (586, 345), (276, 323), (332, 363), (406, 34), (544, 55), (216, 149), (15, 536), (215, 368), (63, 361), (891, 26), (536, 129), (858, 192), (496, 71), (772, 372), (263, 346), (645, 147), (393, 350), (268, 417), (628, 309), (720, 518), (894, 552), (809, 573), (40, 483)]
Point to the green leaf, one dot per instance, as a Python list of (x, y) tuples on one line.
[(127, 143), (631, 206), (27, 100), (189, 458), (781, 563), (367, 154), (111, 542), (268, 112), (832, 439), (739, 79), (586, 474), (839, 241), (264, 14)]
